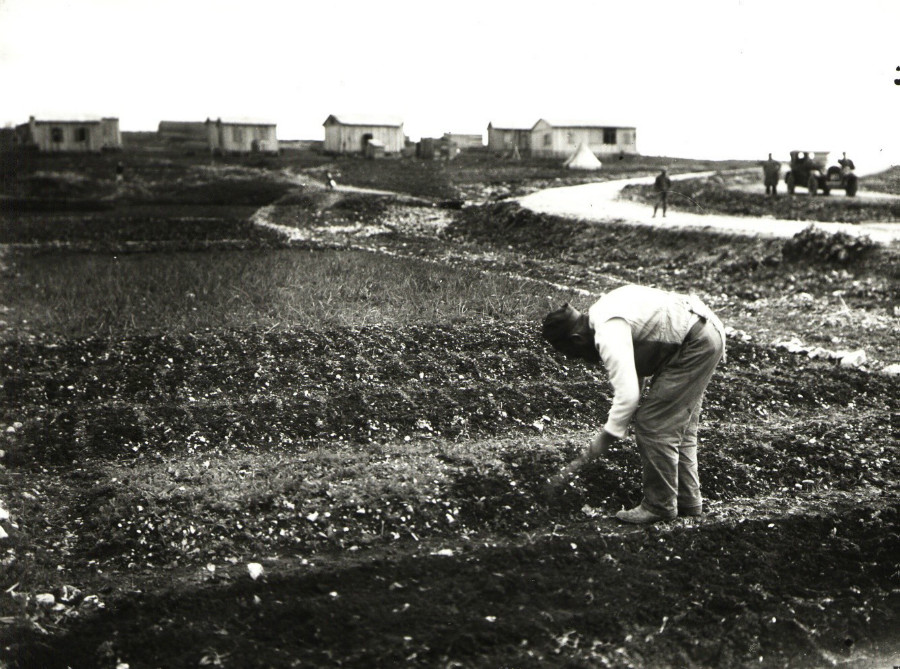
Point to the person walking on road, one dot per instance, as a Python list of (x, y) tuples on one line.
[(661, 185), (771, 174), (669, 344)]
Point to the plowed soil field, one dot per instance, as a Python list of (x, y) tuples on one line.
[(286, 490)]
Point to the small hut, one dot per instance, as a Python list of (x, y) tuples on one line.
[(79, 135), (374, 149), (241, 136), (348, 133), (506, 137), (560, 138)]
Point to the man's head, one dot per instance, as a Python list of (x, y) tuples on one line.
[(569, 332)]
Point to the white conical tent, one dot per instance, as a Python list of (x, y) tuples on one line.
[(583, 159)]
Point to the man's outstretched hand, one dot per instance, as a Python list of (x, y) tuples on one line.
[(553, 487), (555, 484), (597, 448)]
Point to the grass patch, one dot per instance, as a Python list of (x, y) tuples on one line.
[(884, 182), (174, 225), (81, 294)]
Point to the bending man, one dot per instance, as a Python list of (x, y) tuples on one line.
[(637, 333)]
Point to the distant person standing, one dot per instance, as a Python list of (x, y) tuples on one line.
[(771, 173), (846, 164), (662, 185), (120, 172)]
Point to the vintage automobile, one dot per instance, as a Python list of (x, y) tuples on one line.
[(808, 168)]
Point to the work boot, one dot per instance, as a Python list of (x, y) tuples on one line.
[(639, 516)]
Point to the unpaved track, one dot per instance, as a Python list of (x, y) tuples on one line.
[(600, 202)]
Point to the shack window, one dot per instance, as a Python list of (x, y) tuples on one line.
[(237, 134), (609, 135), (56, 135), (570, 137), (81, 134), (547, 140)]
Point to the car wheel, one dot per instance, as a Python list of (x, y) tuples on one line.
[(852, 185)]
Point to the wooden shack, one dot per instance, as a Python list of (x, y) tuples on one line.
[(351, 133), (78, 135), (560, 139), (374, 149), (241, 136), (504, 136)]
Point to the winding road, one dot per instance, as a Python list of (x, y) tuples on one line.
[(600, 202)]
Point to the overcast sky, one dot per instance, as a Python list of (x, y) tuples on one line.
[(697, 78)]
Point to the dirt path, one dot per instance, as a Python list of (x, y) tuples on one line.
[(600, 202), (313, 183)]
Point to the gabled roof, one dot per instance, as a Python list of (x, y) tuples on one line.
[(569, 123), (364, 119)]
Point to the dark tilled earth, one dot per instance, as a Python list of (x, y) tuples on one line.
[(449, 553)]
